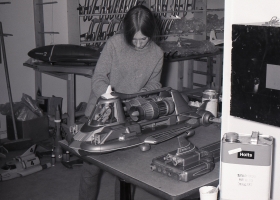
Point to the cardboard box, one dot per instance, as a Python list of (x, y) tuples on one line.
[(35, 129), (49, 104)]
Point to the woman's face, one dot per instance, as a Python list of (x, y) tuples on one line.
[(139, 40)]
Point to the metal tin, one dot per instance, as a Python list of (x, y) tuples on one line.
[(246, 162), (67, 156), (210, 94), (212, 104), (53, 160)]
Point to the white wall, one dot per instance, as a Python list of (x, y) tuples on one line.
[(249, 11)]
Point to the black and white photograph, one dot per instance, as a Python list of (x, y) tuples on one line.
[(139, 99)]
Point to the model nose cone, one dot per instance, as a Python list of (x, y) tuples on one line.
[(41, 53)]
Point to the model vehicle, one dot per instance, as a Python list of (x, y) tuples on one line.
[(121, 121), (65, 53), (27, 163), (187, 162)]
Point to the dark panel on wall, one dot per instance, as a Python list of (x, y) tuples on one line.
[(255, 76)]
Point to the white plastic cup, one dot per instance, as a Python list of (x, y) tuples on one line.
[(208, 193)]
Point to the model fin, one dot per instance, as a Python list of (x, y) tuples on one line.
[(213, 38), (30, 151), (107, 94)]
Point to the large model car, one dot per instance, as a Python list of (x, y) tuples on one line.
[(121, 121)]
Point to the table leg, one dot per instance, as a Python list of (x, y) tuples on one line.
[(125, 190), (38, 82), (209, 79), (71, 99), (219, 72), (180, 80), (190, 74)]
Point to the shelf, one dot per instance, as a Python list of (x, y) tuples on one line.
[(179, 11), (213, 10), (92, 42), (178, 35), (99, 14), (61, 69)]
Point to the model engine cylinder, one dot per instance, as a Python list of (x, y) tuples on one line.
[(152, 110)]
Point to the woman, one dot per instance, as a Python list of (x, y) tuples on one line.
[(130, 62)]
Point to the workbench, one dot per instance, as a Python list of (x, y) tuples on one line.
[(67, 72), (133, 166)]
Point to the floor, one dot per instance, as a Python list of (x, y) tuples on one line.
[(55, 183)]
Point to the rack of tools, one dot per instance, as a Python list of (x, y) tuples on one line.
[(101, 19), (104, 18)]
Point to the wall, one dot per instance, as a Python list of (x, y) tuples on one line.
[(249, 11), (18, 19), (55, 19)]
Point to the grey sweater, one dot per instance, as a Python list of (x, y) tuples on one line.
[(126, 69)]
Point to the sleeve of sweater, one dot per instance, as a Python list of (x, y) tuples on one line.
[(100, 79), (154, 80)]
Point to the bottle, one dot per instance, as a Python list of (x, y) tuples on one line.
[(53, 160), (57, 148), (67, 156)]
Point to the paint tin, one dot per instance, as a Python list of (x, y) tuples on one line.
[(246, 166), (212, 105), (67, 156)]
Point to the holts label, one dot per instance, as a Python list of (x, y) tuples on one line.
[(246, 154)]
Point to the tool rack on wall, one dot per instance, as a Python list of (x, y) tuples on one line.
[(101, 19)]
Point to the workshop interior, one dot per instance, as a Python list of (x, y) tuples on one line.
[(209, 133)]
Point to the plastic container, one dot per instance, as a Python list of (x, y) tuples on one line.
[(208, 193)]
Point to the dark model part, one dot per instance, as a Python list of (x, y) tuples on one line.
[(187, 162), (65, 53)]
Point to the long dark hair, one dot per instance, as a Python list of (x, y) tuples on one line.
[(138, 18)]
